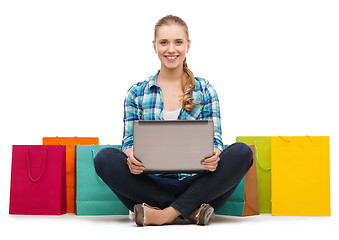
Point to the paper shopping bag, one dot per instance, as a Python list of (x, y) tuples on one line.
[(244, 201), (70, 143), (251, 196), (263, 165), (93, 196), (301, 176), (38, 181)]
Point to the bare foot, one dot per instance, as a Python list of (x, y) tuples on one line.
[(160, 217), (193, 217)]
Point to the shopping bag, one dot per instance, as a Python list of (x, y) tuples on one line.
[(263, 165), (38, 181), (251, 196), (93, 196), (301, 176), (70, 143), (244, 201)]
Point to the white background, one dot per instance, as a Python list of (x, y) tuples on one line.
[(65, 67)]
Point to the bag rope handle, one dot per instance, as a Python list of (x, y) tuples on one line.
[(69, 170), (257, 156), (93, 155), (286, 140), (42, 167)]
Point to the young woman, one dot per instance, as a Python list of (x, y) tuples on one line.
[(172, 93)]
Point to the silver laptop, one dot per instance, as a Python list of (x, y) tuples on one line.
[(173, 145)]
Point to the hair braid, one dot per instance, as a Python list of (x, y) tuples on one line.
[(188, 84)]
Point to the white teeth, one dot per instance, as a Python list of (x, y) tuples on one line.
[(171, 57)]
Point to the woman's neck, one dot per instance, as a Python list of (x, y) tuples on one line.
[(170, 75)]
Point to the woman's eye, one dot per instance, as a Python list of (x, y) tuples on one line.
[(179, 42), (163, 43)]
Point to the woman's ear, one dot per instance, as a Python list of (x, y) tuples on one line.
[(188, 46), (155, 46)]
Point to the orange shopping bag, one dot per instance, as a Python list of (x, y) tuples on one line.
[(70, 143)]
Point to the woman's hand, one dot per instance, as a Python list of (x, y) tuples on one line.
[(135, 166), (212, 162)]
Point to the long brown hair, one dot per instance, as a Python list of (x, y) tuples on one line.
[(188, 80)]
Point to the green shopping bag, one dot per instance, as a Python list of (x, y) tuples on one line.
[(235, 204), (93, 196), (244, 200), (263, 162)]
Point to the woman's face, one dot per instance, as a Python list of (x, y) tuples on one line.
[(171, 45)]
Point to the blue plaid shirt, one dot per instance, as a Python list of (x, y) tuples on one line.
[(144, 101)]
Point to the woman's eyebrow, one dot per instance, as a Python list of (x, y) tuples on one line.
[(178, 39)]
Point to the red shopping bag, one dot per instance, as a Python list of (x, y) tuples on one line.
[(38, 180)]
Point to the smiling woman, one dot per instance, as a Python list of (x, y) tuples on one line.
[(171, 43), (173, 93)]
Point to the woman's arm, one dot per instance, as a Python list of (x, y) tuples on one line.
[(211, 111), (130, 114)]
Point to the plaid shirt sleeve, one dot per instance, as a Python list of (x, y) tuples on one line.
[(211, 111), (130, 114)]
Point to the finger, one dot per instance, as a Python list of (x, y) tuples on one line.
[(136, 167), (133, 167), (213, 165), (216, 151), (208, 160), (135, 161), (210, 166), (211, 159), (134, 170)]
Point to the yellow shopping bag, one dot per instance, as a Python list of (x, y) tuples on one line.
[(300, 176)]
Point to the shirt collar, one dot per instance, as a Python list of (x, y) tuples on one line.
[(153, 80)]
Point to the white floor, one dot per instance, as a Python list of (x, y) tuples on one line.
[(273, 63), (263, 226)]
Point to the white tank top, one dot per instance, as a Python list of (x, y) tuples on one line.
[(171, 115)]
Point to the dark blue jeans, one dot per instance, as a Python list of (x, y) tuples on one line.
[(185, 195)]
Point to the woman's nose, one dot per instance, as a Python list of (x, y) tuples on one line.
[(171, 47)]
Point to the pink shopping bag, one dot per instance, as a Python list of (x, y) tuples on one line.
[(38, 180)]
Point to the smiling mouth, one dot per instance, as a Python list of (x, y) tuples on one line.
[(171, 57)]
